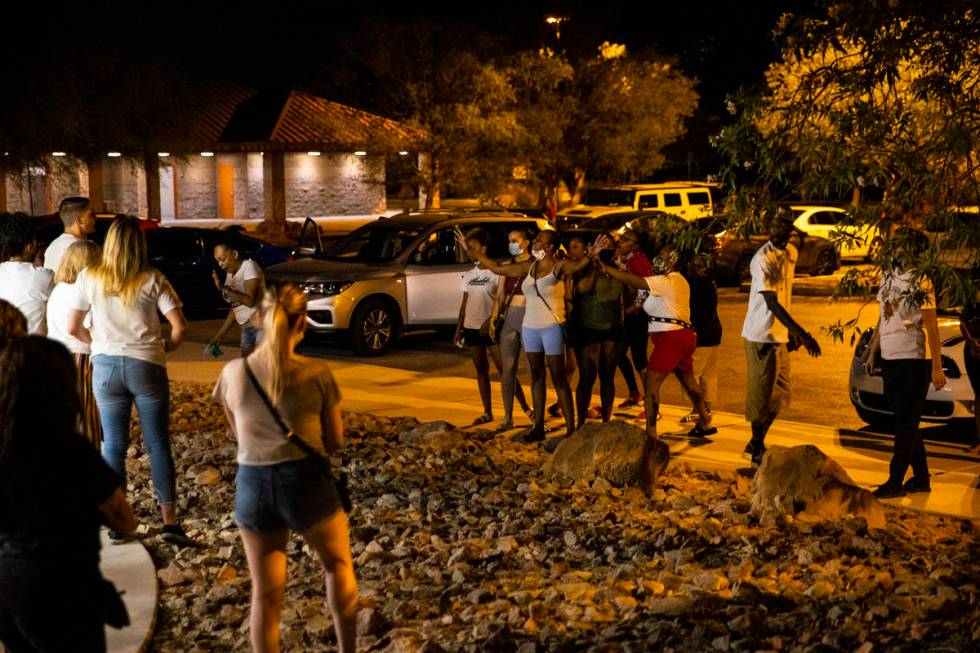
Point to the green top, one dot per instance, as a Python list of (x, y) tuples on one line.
[(602, 308)]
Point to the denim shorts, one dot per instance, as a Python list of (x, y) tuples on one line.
[(550, 340), (295, 494)]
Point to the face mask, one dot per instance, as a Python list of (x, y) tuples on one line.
[(538, 254), (515, 249)]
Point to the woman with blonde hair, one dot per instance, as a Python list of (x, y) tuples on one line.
[(77, 257), (284, 410), (125, 297)]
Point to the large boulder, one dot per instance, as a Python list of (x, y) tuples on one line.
[(437, 435), (616, 451), (804, 479)]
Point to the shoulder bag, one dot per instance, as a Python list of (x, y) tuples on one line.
[(322, 463)]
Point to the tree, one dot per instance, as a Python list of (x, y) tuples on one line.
[(606, 119), (869, 93)]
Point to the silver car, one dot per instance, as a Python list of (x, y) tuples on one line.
[(393, 275), (954, 401)]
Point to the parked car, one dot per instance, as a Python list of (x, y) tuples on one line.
[(821, 220), (617, 221), (687, 199), (816, 256), (954, 401), (953, 249), (393, 275), (186, 256)]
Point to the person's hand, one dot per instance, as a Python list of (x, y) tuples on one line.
[(809, 343), (869, 361), (938, 377), (460, 238), (217, 281)]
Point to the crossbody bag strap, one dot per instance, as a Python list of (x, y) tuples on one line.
[(288, 432), (534, 280)]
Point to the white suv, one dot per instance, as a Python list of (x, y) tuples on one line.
[(688, 199), (393, 274)]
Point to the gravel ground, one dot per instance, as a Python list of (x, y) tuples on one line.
[(468, 547)]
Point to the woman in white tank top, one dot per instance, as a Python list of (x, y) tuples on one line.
[(544, 317)]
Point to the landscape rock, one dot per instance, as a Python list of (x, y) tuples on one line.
[(618, 452), (437, 435), (804, 479)]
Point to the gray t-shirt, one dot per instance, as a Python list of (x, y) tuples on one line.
[(309, 394)]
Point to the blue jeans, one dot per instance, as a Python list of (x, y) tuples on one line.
[(117, 382), (250, 338)]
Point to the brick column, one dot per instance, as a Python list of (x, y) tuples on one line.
[(151, 165), (95, 182)]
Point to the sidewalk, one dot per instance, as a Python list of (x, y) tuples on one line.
[(864, 454), (130, 567)]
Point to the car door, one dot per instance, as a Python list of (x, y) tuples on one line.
[(179, 254), (432, 279)]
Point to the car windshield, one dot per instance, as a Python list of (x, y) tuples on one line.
[(372, 243), (608, 197)]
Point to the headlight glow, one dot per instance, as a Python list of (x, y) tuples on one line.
[(324, 288)]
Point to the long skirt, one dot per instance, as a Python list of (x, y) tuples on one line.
[(91, 425)]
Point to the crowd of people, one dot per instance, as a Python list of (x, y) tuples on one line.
[(82, 343)]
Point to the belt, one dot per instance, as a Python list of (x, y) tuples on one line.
[(670, 320)]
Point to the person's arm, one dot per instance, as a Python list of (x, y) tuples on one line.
[(248, 298), (333, 430), (972, 343), (931, 324), (566, 269), (459, 320), (871, 353), (76, 326), (798, 332), (499, 297), (117, 514), (225, 326), (631, 280), (178, 328), (586, 283)]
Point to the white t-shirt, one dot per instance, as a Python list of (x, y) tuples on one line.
[(121, 330), (772, 270), (56, 251), (60, 304), (481, 286), (27, 288), (249, 269), (900, 331), (670, 296)]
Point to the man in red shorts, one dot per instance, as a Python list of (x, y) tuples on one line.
[(668, 310)]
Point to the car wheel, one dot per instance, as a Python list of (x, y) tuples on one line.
[(373, 328), (825, 263), (875, 419), (743, 269)]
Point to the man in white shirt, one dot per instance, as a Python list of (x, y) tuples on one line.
[(76, 215), (22, 284), (767, 329)]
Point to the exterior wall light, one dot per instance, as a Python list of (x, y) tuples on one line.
[(313, 154), (115, 154), (163, 154), (58, 154), (360, 153), (403, 153), (207, 153)]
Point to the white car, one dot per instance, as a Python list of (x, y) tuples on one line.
[(824, 221), (954, 401)]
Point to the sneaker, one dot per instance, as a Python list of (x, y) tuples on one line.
[(174, 534), (913, 485), (690, 418), (701, 432), (754, 454), (888, 491), (118, 537)]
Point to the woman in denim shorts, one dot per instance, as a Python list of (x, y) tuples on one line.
[(280, 487)]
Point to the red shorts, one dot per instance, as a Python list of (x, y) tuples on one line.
[(672, 350)]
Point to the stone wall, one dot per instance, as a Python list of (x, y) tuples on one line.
[(334, 184), (197, 186), (253, 174), (121, 181)]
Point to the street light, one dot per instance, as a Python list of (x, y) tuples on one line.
[(556, 21)]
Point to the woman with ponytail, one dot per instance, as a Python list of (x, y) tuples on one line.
[(125, 297), (282, 486)]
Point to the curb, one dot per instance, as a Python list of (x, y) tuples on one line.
[(131, 568)]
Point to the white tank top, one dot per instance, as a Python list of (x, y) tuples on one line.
[(536, 314)]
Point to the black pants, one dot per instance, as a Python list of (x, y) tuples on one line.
[(634, 348), (50, 606), (906, 386)]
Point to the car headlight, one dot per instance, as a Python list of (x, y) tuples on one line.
[(324, 288)]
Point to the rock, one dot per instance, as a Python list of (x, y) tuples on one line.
[(803, 478), (621, 453), (370, 622), (208, 476), (172, 576), (437, 435)]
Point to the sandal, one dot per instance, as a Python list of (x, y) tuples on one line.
[(530, 413), (505, 425), (482, 419)]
